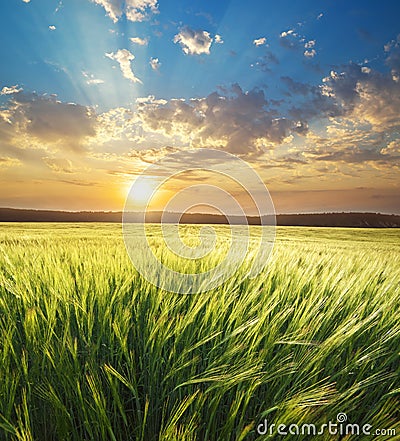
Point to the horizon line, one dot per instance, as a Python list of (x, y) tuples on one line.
[(199, 213)]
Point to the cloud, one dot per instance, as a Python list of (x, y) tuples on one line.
[(10, 90), (52, 28), (151, 99), (149, 156), (265, 62), (139, 41), (344, 130), (364, 95), (359, 108), (117, 129), (207, 16), (7, 162), (290, 39), (194, 42), (298, 88), (355, 155), (80, 183), (392, 48), (59, 165), (319, 16), (123, 57), (377, 102), (218, 39), (339, 93), (112, 8), (155, 64), (310, 53), (285, 34), (348, 122), (133, 10), (41, 121), (392, 148), (260, 41), (140, 10), (26, 1), (235, 120), (91, 79), (59, 6)]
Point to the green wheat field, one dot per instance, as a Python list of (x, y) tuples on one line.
[(91, 351)]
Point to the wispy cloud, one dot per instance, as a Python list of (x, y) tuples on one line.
[(260, 41), (285, 34), (10, 90), (139, 41), (311, 53), (265, 62), (59, 6), (155, 64), (6, 162), (91, 79), (151, 99), (124, 58), (59, 165)]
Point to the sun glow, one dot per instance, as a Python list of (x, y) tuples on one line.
[(145, 193), (142, 191)]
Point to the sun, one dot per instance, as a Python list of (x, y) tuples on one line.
[(148, 193), (143, 191)]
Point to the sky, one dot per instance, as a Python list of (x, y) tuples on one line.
[(93, 92)]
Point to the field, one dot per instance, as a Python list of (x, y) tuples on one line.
[(91, 351)]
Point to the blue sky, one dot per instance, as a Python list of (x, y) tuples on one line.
[(297, 77), (52, 61)]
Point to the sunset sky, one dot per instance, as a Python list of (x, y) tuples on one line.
[(94, 91)]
